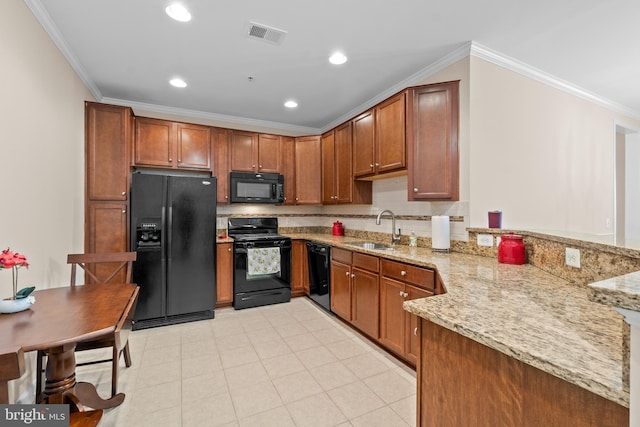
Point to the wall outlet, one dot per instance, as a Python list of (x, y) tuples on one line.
[(572, 257), (485, 240)]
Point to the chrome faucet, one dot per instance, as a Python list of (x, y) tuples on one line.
[(395, 238)]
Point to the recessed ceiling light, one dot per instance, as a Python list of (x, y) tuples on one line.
[(338, 58), (178, 12), (291, 104), (177, 82)]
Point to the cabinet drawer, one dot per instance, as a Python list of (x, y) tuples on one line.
[(341, 255), (422, 277), (366, 262)]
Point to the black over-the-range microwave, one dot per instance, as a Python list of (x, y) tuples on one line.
[(249, 187)]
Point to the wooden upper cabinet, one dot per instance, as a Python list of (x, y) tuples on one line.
[(193, 145), (269, 153), (390, 137), (288, 153), (107, 148), (252, 152), (220, 145), (338, 185), (167, 144), (432, 128), (363, 144), (241, 150), (308, 172)]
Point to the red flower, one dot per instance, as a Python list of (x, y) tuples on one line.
[(10, 259)]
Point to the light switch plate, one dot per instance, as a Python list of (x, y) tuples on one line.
[(572, 257), (485, 240)]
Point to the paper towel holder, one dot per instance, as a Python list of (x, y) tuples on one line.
[(440, 237)]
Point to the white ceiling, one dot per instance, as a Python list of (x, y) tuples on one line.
[(127, 50)]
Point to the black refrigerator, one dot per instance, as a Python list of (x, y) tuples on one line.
[(173, 231)]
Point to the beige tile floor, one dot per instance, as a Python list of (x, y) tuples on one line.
[(279, 365)]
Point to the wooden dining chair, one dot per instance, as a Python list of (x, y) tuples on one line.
[(113, 267)]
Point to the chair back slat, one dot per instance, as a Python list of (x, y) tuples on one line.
[(86, 261)]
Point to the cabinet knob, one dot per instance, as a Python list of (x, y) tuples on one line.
[(226, 197), (403, 273), (346, 273), (377, 164), (297, 199), (371, 165), (415, 189), (228, 249), (401, 293), (260, 166), (253, 166), (404, 294), (179, 160), (124, 211), (170, 160), (124, 193), (353, 275)]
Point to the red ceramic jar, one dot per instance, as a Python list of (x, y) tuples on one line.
[(511, 249), (337, 230)]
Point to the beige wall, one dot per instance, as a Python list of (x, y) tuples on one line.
[(42, 154), (542, 156)]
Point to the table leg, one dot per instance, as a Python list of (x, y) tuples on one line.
[(61, 387)]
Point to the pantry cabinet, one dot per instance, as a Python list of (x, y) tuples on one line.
[(252, 152), (308, 172), (166, 144), (108, 144), (399, 283), (224, 274), (432, 134)]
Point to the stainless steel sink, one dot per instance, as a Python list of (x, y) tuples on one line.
[(371, 245)]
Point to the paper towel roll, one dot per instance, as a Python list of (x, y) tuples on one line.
[(440, 233)]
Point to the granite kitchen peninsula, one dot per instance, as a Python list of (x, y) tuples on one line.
[(511, 344)]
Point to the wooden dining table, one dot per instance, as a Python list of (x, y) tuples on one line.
[(60, 318)]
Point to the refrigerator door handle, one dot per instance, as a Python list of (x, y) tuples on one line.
[(169, 228)]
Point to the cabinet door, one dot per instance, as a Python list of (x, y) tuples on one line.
[(392, 315), (220, 142), (363, 144), (243, 157), (154, 145), (288, 153), (412, 338), (108, 143), (433, 142), (308, 170), (328, 162), (224, 274), (390, 135), (341, 290), (269, 154), (194, 146), (107, 230), (299, 268), (365, 301), (342, 172)]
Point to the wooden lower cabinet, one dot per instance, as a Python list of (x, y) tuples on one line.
[(464, 383), (224, 274), (299, 269), (341, 283), (107, 230), (365, 290)]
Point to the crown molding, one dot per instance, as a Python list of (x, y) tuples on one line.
[(50, 27), (252, 123), (512, 64), (454, 56)]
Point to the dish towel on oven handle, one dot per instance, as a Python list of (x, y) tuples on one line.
[(261, 261)]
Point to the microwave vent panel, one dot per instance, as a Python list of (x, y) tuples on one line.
[(266, 33)]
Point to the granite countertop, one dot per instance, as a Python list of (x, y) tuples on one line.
[(521, 311), (622, 291)]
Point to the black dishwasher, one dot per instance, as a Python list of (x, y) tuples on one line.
[(319, 274)]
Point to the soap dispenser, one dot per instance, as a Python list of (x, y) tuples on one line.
[(413, 239)]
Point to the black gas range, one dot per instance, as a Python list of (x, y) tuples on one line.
[(261, 262)]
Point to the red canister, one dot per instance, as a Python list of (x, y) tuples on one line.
[(511, 249), (337, 230)]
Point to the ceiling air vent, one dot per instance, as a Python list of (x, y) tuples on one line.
[(266, 33)]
